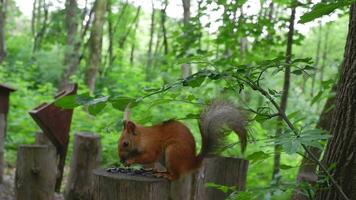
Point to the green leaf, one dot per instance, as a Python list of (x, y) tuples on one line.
[(321, 9), (67, 102), (297, 72), (317, 97), (285, 167), (94, 109), (258, 156), (120, 103)]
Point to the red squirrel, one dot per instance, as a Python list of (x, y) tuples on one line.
[(174, 141)]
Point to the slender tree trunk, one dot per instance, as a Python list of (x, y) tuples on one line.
[(111, 32), (317, 59), (132, 53), (123, 39), (163, 25), (284, 98), (186, 68), (341, 149), (40, 24), (150, 45), (95, 44), (2, 30), (71, 56), (325, 53)]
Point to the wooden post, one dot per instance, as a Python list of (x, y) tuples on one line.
[(86, 158), (222, 171), (42, 139), (36, 172), (122, 187), (4, 109), (182, 188)]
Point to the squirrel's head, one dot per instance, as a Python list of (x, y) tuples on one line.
[(128, 142)]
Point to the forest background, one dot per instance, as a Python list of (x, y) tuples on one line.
[(166, 55)]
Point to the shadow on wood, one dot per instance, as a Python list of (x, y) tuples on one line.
[(123, 187), (222, 171), (36, 172), (86, 157)]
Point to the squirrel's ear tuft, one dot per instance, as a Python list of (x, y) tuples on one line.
[(129, 126)]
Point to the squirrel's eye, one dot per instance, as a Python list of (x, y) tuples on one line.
[(126, 144)]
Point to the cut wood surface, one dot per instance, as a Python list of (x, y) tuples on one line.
[(119, 186), (222, 171)]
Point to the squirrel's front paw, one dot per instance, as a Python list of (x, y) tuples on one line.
[(129, 162)]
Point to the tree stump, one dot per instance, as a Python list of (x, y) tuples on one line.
[(123, 187), (36, 172), (222, 171), (42, 139), (2, 141), (86, 157), (182, 188)]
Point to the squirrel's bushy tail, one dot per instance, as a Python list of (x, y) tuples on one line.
[(214, 121)]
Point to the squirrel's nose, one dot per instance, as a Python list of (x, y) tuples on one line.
[(126, 144)]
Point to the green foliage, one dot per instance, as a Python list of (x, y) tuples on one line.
[(324, 8)]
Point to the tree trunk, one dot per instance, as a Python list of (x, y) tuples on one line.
[(95, 44), (2, 30), (317, 59), (307, 169), (133, 46), (122, 187), (163, 25), (284, 97), (325, 53), (341, 149), (150, 45), (222, 171), (36, 172), (73, 45), (186, 68), (86, 157), (40, 23)]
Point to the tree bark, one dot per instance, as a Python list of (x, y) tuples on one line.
[(341, 149), (2, 30), (122, 187), (133, 45), (284, 97), (222, 171), (86, 158), (164, 29), (95, 44), (73, 45), (317, 59), (186, 68), (150, 44), (39, 23), (36, 172)]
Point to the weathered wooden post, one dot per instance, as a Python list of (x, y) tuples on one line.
[(222, 171), (4, 109), (86, 157), (122, 187), (36, 172), (182, 188), (55, 123)]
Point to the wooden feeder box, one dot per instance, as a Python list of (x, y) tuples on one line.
[(55, 123)]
